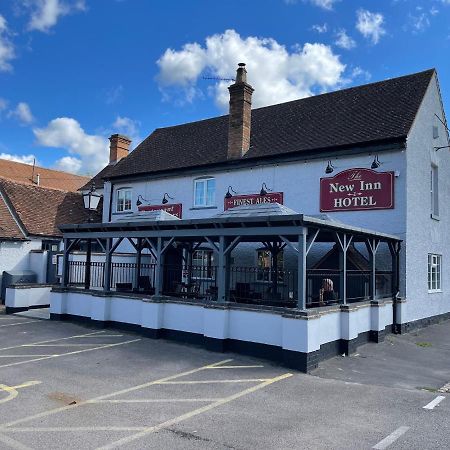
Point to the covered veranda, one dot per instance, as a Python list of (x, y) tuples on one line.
[(164, 263)]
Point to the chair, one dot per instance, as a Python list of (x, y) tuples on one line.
[(124, 287), (145, 285)]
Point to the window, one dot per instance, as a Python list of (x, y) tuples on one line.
[(264, 263), (203, 264), (434, 191), (205, 192), (123, 200), (434, 273)]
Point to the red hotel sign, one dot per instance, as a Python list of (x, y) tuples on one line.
[(175, 209), (357, 190), (253, 199)]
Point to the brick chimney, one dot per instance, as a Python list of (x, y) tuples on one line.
[(240, 115), (118, 148)]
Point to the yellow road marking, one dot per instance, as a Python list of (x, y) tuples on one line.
[(12, 390), (69, 353), (160, 400), (256, 366), (248, 380), (52, 340), (4, 427), (191, 414)]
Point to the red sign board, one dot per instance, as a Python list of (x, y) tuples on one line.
[(176, 209), (253, 199), (357, 190)]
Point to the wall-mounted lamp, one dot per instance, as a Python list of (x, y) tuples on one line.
[(376, 163), (264, 189), (164, 200), (330, 168), (140, 200), (229, 192)]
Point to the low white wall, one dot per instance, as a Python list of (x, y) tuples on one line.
[(27, 296), (291, 331)]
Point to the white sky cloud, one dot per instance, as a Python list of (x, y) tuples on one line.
[(320, 28), (7, 52), (128, 127), (46, 13), (343, 40), (89, 153), (22, 112), (370, 25), (325, 4), (276, 74), (68, 164), (26, 159)]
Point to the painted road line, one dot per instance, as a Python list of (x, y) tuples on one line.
[(69, 353), (69, 429), (24, 356), (62, 345), (434, 402), (256, 366), (52, 340), (4, 427), (389, 440), (20, 323), (190, 414), (248, 380), (160, 400), (445, 389), (12, 390)]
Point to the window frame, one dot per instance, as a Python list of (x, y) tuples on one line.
[(434, 191), (206, 203), (118, 192), (434, 273), (207, 268), (260, 270)]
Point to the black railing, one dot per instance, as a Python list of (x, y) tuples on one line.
[(190, 282), (248, 285), (270, 287)]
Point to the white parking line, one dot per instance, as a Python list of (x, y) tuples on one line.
[(388, 440), (434, 402), (20, 323), (248, 380)]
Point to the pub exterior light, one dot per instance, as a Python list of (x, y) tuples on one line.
[(140, 200), (329, 168), (264, 189), (376, 163), (165, 197), (229, 192), (91, 199)]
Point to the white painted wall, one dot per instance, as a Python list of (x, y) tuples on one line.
[(26, 296), (424, 234)]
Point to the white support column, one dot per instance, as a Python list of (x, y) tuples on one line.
[(301, 268), (344, 242)]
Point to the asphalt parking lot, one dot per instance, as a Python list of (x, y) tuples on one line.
[(64, 385)]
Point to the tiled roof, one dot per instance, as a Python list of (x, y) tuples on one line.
[(48, 178), (41, 210), (9, 229), (374, 113)]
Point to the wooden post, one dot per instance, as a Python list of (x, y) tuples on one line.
[(65, 269), (222, 270), (138, 263), (87, 269), (343, 267), (107, 269), (159, 267), (301, 269)]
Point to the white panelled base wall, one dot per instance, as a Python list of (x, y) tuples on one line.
[(298, 339)]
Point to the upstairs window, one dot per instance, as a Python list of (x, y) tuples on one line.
[(204, 192), (434, 272), (434, 192), (124, 200)]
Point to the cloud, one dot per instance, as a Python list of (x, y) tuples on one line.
[(129, 127), (22, 112), (3, 104), (26, 159), (370, 25), (343, 40), (320, 28), (114, 95), (358, 72), (276, 74), (46, 13), (92, 151), (7, 52), (69, 164), (420, 22), (324, 4)]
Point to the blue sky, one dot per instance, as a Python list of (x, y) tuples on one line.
[(72, 72)]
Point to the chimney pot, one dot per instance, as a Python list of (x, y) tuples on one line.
[(119, 147), (240, 115)]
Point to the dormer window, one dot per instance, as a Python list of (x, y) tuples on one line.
[(123, 203), (204, 192)]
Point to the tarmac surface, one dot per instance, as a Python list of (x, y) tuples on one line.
[(65, 385)]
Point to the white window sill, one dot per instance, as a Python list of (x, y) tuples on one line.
[(435, 291)]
